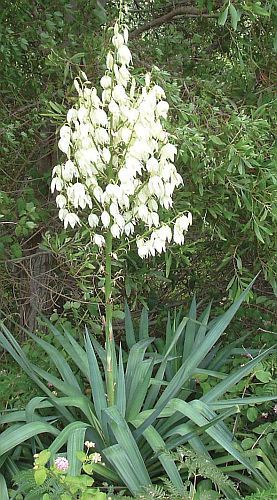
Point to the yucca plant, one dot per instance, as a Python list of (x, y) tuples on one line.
[(151, 413), (119, 173)]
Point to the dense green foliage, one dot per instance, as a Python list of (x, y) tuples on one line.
[(219, 81)]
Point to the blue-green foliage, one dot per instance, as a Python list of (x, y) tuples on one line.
[(157, 405)]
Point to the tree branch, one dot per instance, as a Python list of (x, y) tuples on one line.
[(185, 11)]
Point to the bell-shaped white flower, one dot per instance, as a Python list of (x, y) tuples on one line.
[(98, 193), (115, 230), (142, 212), (71, 219), (77, 195), (61, 201), (152, 205), (118, 40), (125, 134), (106, 96), (143, 249), (106, 82), (152, 165), (119, 94), (83, 114), (71, 115), (159, 92), (168, 151), (156, 186), (124, 55), (105, 218), (114, 210), (133, 165), (178, 236), (77, 86), (129, 228), (182, 223), (62, 213), (56, 184), (120, 221), (101, 136), (65, 131), (93, 220), (162, 109), (68, 170), (99, 240), (123, 75), (158, 244), (153, 219), (64, 144), (165, 233), (99, 117)]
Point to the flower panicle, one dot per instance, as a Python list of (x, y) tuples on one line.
[(120, 162)]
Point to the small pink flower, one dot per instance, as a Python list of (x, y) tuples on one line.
[(264, 414), (49, 385), (62, 463), (275, 409)]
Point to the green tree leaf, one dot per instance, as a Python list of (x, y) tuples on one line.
[(234, 16), (223, 17)]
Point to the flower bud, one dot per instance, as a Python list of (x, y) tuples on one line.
[(106, 82), (109, 61), (124, 55)]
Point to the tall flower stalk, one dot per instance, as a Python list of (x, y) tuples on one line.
[(110, 347), (119, 170)]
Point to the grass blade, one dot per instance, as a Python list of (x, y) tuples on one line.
[(64, 435), (16, 435), (120, 397), (190, 331), (193, 361), (157, 444), (234, 378), (143, 324), (124, 467), (96, 381), (197, 412), (127, 443), (59, 361), (135, 357), (75, 443), (139, 387), (3, 488), (129, 328), (71, 346)]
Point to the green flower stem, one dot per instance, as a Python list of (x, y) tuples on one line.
[(110, 348)]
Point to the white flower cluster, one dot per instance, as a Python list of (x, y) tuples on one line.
[(119, 159)]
